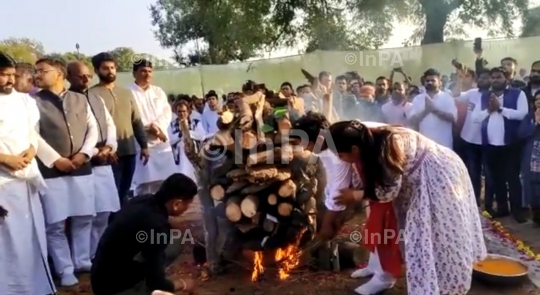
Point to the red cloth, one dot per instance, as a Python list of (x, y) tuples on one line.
[(382, 217)]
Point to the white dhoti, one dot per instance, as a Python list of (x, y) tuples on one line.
[(23, 251), (148, 178), (69, 196), (107, 201)]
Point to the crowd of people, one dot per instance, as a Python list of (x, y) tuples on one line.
[(70, 159)]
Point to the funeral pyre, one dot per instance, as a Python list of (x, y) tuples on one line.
[(261, 180)]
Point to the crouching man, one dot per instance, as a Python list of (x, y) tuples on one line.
[(128, 253)]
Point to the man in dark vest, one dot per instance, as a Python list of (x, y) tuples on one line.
[(501, 112), (69, 130), (107, 200)]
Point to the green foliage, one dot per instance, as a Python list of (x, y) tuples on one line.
[(532, 23), (29, 51), (436, 19), (235, 30), (232, 30), (22, 49)]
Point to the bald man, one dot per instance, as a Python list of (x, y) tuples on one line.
[(107, 200)]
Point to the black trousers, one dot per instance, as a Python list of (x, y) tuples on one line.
[(127, 280), (503, 163), (473, 159)]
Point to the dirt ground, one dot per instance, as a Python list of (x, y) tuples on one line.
[(303, 281)]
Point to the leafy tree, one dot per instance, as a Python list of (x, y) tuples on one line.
[(71, 57), (327, 30), (22, 49), (532, 23), (240, 29), (125, 57), (232, 30), (435, 19)]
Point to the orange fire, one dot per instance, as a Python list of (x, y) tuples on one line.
[(258, 268), (289, 257)]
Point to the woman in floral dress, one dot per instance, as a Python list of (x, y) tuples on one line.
[(433, 199)]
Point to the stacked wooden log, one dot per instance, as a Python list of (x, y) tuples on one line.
[(265, 181)]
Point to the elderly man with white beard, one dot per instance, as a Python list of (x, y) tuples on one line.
[(68, 126), (23, 250)]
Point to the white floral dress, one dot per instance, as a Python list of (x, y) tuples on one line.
[(436, 206)]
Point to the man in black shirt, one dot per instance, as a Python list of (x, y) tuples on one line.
[(123, 260)]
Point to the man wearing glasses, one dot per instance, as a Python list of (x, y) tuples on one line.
[(69, 133)]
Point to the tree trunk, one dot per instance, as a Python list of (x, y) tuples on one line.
[(435, 22), (436, 17)]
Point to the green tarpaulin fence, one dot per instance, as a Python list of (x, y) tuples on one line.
[(369, 64)]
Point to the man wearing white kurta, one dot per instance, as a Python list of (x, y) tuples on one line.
[(68, 126), (107, 200), (197, 134), (156, 116), (434, 112), (23, 249)]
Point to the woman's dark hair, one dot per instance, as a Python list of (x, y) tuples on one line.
[(176, 186), (380, 156), (312, 123)]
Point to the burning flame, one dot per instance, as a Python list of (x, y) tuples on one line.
[(258, 268), (289, 257)]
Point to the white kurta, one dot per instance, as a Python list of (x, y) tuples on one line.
[(197, 133), (107, 199), (69, 195), (155, 109), (432, 126), (23, 251)]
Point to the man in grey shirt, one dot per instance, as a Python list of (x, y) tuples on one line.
[(125, 113)]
